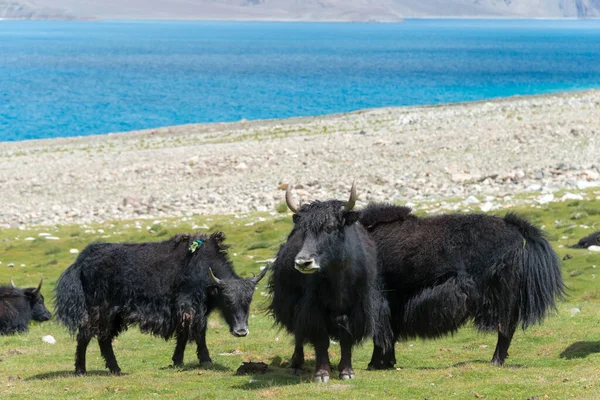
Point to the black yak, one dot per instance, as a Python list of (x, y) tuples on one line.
[(442, 271), (590, 240), (325, 285), (19, 306), (167, 288)]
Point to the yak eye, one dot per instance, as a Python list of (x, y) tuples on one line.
[(214, 291), (329, 228)]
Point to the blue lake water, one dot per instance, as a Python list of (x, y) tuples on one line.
[(82, 78)]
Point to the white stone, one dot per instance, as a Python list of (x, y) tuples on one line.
[(73, 251), (595, 249), (545, 199), (44, 234), (49, 339), (571, 196), (52, 238), (29, 238), (471, 200), (586, 185), (485, 207), (574, 311)]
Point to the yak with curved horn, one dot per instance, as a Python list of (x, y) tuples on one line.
[(19, 306), (325, 284), (168, 288)]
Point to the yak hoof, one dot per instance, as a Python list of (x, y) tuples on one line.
[(80, 372), (296, 371), (346, 377), (206, 364), (497, 363), (321, 376), (116, 372)]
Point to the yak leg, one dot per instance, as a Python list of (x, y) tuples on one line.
[(323, 364), (107, 352), (298, 357), (202, 350), (381, 359), (182, 339), (82, 343), (345, 367), (505, 335)]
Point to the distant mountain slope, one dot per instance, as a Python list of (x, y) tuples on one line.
[(12, 9), (307, 10)]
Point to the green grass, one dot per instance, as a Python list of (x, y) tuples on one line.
[(559, 359)]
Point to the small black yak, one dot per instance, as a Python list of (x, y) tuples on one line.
[(325, 285), (442, 271), (590, 240), (167, 288), (19, 306)]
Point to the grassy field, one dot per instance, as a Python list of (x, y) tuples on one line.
[(557, 360)]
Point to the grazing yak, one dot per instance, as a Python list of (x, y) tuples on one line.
[(324, 284), (19, 306), (590, 240), (167, 288), (442, 271)]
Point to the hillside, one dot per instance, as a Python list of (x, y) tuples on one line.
[(299, 10)]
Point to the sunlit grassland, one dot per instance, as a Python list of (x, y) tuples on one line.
[(559, 359)]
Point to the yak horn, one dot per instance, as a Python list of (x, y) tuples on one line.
[(353, 196), (213, 277), (12, 283), (37, 290), (289, 200), (261, 274)]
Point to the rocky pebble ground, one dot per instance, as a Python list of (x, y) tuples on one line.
[(488, 155)]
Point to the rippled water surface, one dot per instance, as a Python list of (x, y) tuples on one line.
[(82, 78)]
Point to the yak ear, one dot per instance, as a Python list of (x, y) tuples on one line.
[(351, 217), (219, 238)]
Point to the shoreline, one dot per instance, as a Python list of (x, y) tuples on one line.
[(311, 118), (490, 150), (400, 20)]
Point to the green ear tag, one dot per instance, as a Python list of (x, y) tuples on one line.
[(194, 246)]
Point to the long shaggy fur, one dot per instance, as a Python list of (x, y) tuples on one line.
[(442, 271), (330, 301), (162, 287), (158, 286)]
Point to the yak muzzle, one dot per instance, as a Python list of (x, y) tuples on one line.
[(307, 265), (240, 332)]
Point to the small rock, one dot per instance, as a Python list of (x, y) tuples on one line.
[(10, 265), (471, 200), (595, 249), (567, 257), (571, 196), (49, 339), (574, 311), (545, 199), (461, 178), (73, 251), (485, 207)]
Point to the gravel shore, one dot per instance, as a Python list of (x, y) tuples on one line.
[(485, 152)]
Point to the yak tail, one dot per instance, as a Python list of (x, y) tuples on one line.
[(383, 335), (69, 300), (541, 282)]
